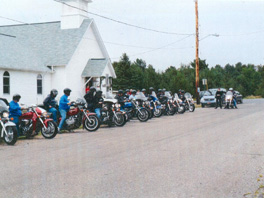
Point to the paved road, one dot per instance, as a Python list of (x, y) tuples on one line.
[(209, 153)]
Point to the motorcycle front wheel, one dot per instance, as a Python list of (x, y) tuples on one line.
[(93, 124), (51, 130), (181, 109), (11, 138), (192, 108), (143, 115), (119, 119), (158, 113)]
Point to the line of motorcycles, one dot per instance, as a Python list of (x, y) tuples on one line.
[(36, 119)]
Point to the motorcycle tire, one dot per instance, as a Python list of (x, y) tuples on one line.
[(192, 108), (143, 115), (171, 112), (181, 109), (93, 125), (51, 130), (149, 112), (120, 121), (12, 131), (158, 113)]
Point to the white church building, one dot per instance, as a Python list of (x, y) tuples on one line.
[(38, 57)]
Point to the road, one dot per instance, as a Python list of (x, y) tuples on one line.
[(209, 154)]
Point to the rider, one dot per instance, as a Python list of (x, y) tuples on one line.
[(90, 98), (127, 94), (159, 94), (120, 98), (50, 103), (98, 103), (15, 111), (133, 95), (144, 91), (234, 97), (64, 106), (181, 95)]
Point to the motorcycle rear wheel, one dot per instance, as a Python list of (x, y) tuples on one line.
[(51, 130), (12, 135), (120, 120), (143, 115), (192, 108), (93, 125)]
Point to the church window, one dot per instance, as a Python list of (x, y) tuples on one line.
[(6, 83), (39, 84)]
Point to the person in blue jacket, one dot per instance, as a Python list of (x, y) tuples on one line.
[(50, 104), (64, 106), (15, 111)]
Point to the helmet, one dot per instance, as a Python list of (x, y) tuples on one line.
[(163, 89), (54, 92), (127, 90), (92, 88), (182, 91), (230, 89), (120, 91), (143, 90), (133, 91), (159, 90), (67, 91), (16, 97), (151, 89), (99, 93)]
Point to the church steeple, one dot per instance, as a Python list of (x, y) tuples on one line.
[(73, 13)]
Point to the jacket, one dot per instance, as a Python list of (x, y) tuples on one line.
[(14, 109), (49, 101), (64, 103)]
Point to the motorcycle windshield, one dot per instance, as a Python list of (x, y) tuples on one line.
[(3, 106), (176, 97), (188, 95), (168, 95), (109, 95), (229, 95), (80, 101), (140, 96), (153, 94)]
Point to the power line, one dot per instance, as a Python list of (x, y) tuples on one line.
[(8, 35), (121, 22)]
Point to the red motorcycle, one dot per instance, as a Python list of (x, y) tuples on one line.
[(35, 120), (78, 116)]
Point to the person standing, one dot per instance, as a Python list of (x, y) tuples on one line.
[(218, 97), (64, 107)]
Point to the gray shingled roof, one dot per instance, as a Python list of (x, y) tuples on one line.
[(95, 67), (38, 45)]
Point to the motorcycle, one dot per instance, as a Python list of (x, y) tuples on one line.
[(145, 103), (110, 112), (8, 129), (178, 102), (133, 109), (171, 108), (78, 115), (156, 105), (189, 103), (35, 120), (229, 100)]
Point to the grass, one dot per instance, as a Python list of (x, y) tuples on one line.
[(253, 97)]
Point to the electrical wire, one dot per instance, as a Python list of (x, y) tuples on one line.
[(121, 22)]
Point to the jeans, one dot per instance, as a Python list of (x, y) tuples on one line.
[(63, 117), (54, 113), (235, 103), (218, 102), (98, 112)]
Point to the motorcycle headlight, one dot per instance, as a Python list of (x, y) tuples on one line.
[(5, 115), (45, 114)]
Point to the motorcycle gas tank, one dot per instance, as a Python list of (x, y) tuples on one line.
[(110, 100), (28, 115), (73, 112)]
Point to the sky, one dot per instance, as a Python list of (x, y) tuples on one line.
[(239, 24)]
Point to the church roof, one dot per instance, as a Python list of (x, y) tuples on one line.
[(38, 45), (95, 67)]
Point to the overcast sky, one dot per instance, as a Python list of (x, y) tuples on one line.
[(240, 24)]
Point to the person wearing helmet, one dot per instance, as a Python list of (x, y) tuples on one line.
[(144, 92), (133, 95), (50, 103), (90, 98), (98, 103), (181, 95), (159, 94), (127, 94), (64, 106), (120, 97), (15, 111), (151, 89)]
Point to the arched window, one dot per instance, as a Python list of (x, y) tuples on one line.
[(6, 83), (39, 84)]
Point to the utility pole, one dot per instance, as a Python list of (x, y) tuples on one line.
[(197, 54)]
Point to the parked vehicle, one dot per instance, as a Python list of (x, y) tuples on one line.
[(35, 120), (239, 97), (156, 105), (208, 99), (110, 112), (189, 103), (170, 108), (179, 104), (78, 116), (8, 128)]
